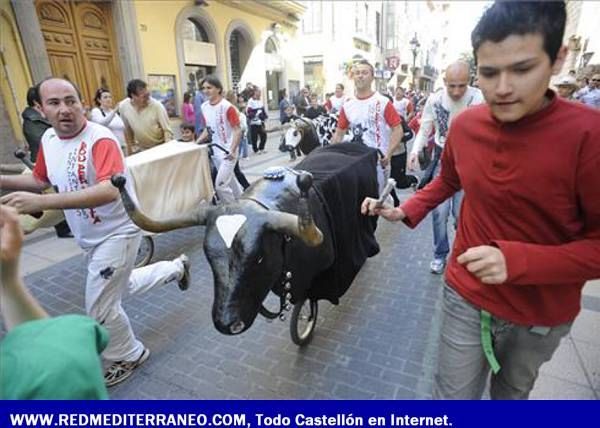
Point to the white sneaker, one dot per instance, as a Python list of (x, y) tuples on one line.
[(437, 266)]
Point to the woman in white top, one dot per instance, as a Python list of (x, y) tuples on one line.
[(104, 114)]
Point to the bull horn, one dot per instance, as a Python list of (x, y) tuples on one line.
[(301, 226), (193, 218)]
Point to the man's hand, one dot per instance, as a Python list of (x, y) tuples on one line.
[(413, 162), (485, 262), (371, 206), (24, 202), (385, 161), (11, 237)]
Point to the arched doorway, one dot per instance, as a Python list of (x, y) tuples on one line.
[(240, 45), (274, 66), (199, 53)]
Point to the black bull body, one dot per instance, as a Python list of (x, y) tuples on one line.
[(285, 225)]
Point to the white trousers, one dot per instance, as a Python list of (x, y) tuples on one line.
[(110, 275), (226, 185)]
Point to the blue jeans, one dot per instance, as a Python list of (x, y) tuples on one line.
[(440, 214), (441, 246), (244, 145)]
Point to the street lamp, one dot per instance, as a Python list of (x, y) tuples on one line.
[(414, 47)]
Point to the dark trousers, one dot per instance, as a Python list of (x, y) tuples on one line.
[(398, 172), (257, 131), (241, 178)]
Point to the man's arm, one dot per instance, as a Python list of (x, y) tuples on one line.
[(338, 135), (395, 137), (26, 182), (129, 139), (203, 136), (427, 125), (163, 121), (235, 141), (569, 263), (91, 197), (16, 303)]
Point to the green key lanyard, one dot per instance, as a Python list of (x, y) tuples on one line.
[(486, 341)]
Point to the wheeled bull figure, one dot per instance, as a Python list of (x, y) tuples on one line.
[(298, 233)]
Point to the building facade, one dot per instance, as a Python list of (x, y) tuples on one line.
[(581, 38), (333, 35), (171, 44)]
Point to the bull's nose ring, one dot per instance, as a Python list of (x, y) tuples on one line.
[(237, 327)]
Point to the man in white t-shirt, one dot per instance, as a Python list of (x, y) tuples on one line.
[(335, 102), (403, 105), (223, 128), (79, 157), (372, 119), (441, 107)]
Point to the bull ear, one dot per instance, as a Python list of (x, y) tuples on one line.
[(291, 224), (195, 217)]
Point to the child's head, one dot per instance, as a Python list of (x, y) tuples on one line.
[(187, 132)]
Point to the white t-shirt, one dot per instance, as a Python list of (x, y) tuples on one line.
[(439, 111), (255, 105), (402, 107), (334, 104), (373, 118), (79, 162), (116, 124), (221, 118)]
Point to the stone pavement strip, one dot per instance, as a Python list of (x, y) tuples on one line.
[(380, 342)]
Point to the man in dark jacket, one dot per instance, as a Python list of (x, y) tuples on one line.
[(34, 124)]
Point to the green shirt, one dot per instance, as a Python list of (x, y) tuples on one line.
[(53, 358)]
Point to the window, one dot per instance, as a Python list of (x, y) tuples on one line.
[(193, 30), (312, 22), (391, 41)]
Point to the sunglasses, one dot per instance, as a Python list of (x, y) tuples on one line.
[(595, 80)]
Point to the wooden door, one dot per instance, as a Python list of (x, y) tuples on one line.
[(80, 44)]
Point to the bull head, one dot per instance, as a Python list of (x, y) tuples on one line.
[(235, 248)]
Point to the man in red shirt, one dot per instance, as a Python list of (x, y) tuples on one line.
[(529, 233)]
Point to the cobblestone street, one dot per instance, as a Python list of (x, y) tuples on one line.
[(379, 342)]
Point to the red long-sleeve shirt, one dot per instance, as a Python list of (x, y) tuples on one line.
[(532, 188)]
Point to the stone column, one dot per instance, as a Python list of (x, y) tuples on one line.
[(32, 39), (129, 46)]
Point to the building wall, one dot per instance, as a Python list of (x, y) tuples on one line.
[(335, 43), (157, 22), (15, 77)]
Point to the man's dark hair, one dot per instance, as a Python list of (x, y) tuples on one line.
[(33, 96), (340, 85), (39, 85), (134, 86), (505, 18), (213, 81)]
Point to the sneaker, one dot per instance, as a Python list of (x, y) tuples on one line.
[(184, 282), (437, 266), (121, 370)]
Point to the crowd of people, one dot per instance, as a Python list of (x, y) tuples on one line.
[(516, 164)]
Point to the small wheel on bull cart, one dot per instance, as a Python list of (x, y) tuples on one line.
[(304, 321), (145, 252)]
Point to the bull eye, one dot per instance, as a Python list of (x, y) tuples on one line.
[(295, 133)]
